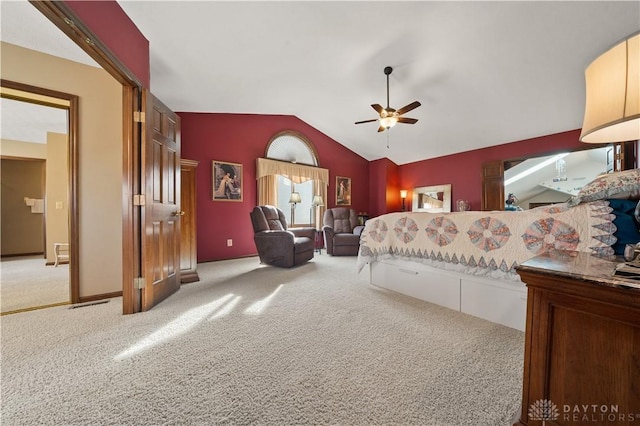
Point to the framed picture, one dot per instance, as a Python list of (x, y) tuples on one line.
[(227, 181), (343, 191)]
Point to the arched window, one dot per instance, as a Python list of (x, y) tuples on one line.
[(291, 147), (290, 166)]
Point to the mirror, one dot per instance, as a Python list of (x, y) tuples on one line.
[(432, 199), (621, 156), (555, 178)]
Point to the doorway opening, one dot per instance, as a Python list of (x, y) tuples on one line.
[(39, 256)]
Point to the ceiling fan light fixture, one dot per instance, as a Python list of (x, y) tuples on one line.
[(388, 122), (389, 117)]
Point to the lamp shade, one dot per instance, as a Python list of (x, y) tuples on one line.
[(403, 193), (388, 122), (317, 201), (295, 198), (612, 108)]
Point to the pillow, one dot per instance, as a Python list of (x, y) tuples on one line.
[(627, 227), (620, 185)]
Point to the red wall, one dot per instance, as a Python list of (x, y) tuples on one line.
[(464, 170), (241, 138), (384, 187), (117, 32)]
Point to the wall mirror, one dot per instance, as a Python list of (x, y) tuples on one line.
[(554, 178), (548, 184), (433, 199)]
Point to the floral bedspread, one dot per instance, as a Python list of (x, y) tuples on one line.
[(487, 243)]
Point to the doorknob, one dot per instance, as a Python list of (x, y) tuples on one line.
[(178, 213)]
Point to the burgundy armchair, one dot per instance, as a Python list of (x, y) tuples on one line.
[(277, 245), (341, 231)]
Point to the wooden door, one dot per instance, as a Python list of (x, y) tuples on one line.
[(160, 163), (624, 156), (492, 185), (188, 244)]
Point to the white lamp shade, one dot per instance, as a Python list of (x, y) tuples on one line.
[(403, 193), (318, 201), (388, 122), (612, 108), (295, 198)]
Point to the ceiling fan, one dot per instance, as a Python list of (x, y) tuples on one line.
[(389, 116)]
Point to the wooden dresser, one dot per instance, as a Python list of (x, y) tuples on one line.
[(582, 348)]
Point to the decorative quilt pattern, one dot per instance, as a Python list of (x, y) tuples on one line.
[(488, 243)]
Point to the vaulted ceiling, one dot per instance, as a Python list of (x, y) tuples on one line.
[(486, 73)]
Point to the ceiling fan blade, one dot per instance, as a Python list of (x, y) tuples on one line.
[(381, 129), (407, 120), (366, 121), (407, 108), (378, 108)]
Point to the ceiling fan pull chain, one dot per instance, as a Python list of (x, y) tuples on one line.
[(387, 138)]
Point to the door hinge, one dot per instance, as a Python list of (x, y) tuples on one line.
[(138, 200), (138, 116), (139, 283)]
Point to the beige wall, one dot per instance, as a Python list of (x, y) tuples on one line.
[(100, 157), (22, 229), (11, 148), (56, 194), (57, 201)]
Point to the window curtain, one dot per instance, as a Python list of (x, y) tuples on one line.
[(320, 189), (267, 170), (296, 173), (267, 194)]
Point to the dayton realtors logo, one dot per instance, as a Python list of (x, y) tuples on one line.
[(544, 409), (597, 413)]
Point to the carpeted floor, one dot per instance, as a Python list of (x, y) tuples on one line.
[(26, 282), (252, 344)]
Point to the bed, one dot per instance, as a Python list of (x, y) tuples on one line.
[(465, 260)]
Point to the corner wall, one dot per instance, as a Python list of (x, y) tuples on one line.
[(57, 193), (384, 187)]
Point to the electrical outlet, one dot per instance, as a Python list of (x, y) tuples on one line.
[(229, 242)]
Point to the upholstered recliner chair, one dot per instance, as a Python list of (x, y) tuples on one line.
[(277, 245), (341, 231)]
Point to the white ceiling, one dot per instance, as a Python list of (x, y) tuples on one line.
[(29, 122), (24, 25), (486, 73)]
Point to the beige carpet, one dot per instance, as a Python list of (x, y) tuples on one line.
[(26, 282), (258, 345)]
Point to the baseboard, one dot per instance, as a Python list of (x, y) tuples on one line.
[(22, 254), (244, 256), (34, 308), (189, 278), (62, 262), (84, 299)]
